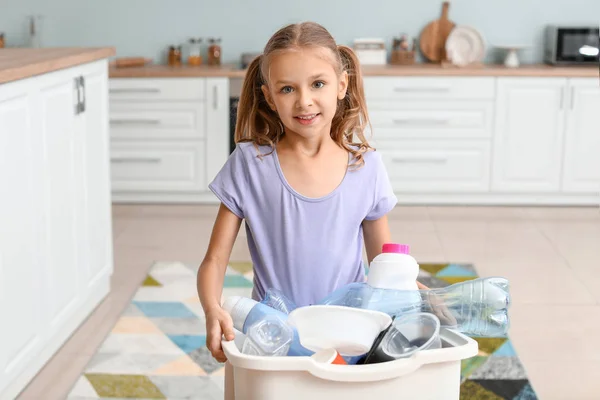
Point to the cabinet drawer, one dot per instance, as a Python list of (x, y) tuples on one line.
[(157, 120), (414, 88), (158, 167), (434, 166), (432, 120), (157, 89)]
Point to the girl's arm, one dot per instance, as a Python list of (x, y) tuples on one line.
[(376, 233), (211, 273)]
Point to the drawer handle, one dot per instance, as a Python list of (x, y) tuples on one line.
[(135, 121), (421, 121), (131, 90), (428, 160), (421, 89), (135, 160)]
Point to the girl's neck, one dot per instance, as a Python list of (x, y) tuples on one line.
[(306, 147)]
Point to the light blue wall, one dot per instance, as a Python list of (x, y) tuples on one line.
[(148, 27)]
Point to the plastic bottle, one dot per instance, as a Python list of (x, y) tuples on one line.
[(478, 307), (395, 269), (270, 336), (246, 312)]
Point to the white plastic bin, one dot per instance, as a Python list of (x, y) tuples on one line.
[(428, 374)]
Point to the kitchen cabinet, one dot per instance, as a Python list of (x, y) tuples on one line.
[(434, 134), (170, 137), (528, 137), (444, 139), (581, 157), (56, 233)]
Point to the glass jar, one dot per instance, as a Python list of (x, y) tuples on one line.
[(214, 52), (174, 55), (195, 54)]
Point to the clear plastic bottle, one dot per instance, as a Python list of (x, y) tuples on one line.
[(478, 307), (269, 336), (246, 312)]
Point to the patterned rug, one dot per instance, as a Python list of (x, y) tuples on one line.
[(157, 348)]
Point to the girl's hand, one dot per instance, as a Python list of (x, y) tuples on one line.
[(218, 323)]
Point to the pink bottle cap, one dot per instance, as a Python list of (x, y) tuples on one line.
[(395, 248)]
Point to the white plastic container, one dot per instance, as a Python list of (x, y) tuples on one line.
[(394, 268), (429, 374)]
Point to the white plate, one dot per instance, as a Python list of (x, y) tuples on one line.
[(465, 46)]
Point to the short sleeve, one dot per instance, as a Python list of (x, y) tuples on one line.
[(231, 182), (384, 199)]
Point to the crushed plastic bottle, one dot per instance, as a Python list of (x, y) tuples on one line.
[(270, 337), (478, 307), (247, 312)]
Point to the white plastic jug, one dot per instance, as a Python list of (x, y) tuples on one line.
[(394, 268)]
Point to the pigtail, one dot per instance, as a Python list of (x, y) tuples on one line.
[(256, 122), (352, 117)]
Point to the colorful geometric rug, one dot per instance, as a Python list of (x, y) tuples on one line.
[(157, 349)]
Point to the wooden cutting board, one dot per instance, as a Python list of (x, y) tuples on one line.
[(433, 37)]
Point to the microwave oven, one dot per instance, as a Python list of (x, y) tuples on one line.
[(572, 45)]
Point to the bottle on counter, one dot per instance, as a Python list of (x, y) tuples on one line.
[(195, 55), (175, 55), (214, 51), (1, 40)]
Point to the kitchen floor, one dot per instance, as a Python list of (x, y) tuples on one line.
[(550, 255)]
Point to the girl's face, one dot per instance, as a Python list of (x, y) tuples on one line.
[(304, 88)]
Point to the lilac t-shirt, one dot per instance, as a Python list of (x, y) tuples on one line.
[(305, 247)]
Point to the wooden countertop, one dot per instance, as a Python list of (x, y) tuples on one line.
[(20, 63), (232, 71)]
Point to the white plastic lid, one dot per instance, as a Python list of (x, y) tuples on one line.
[(239, 308)]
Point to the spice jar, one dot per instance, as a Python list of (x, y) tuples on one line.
[(174, 55), (214, 52), (195, 56)]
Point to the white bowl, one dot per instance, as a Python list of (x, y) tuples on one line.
[(350, 331)]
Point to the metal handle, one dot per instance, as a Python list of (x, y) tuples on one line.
[(215, 93), (135, 121), (421, 121), (77, 96), (572, 97), (562, 98), (135, 160), (422, 89), (140, 90), (82, 86), (430, 160)]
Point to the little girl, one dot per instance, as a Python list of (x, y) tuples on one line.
[(302, 176)]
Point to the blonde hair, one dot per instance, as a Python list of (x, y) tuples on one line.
[(257, 123)]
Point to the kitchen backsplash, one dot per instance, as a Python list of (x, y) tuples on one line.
[(148, 27)]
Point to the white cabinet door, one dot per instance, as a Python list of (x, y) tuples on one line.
[(528, 134), (95, 195), (217, 126), (581, 171), (61, 183), (22, 302)]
